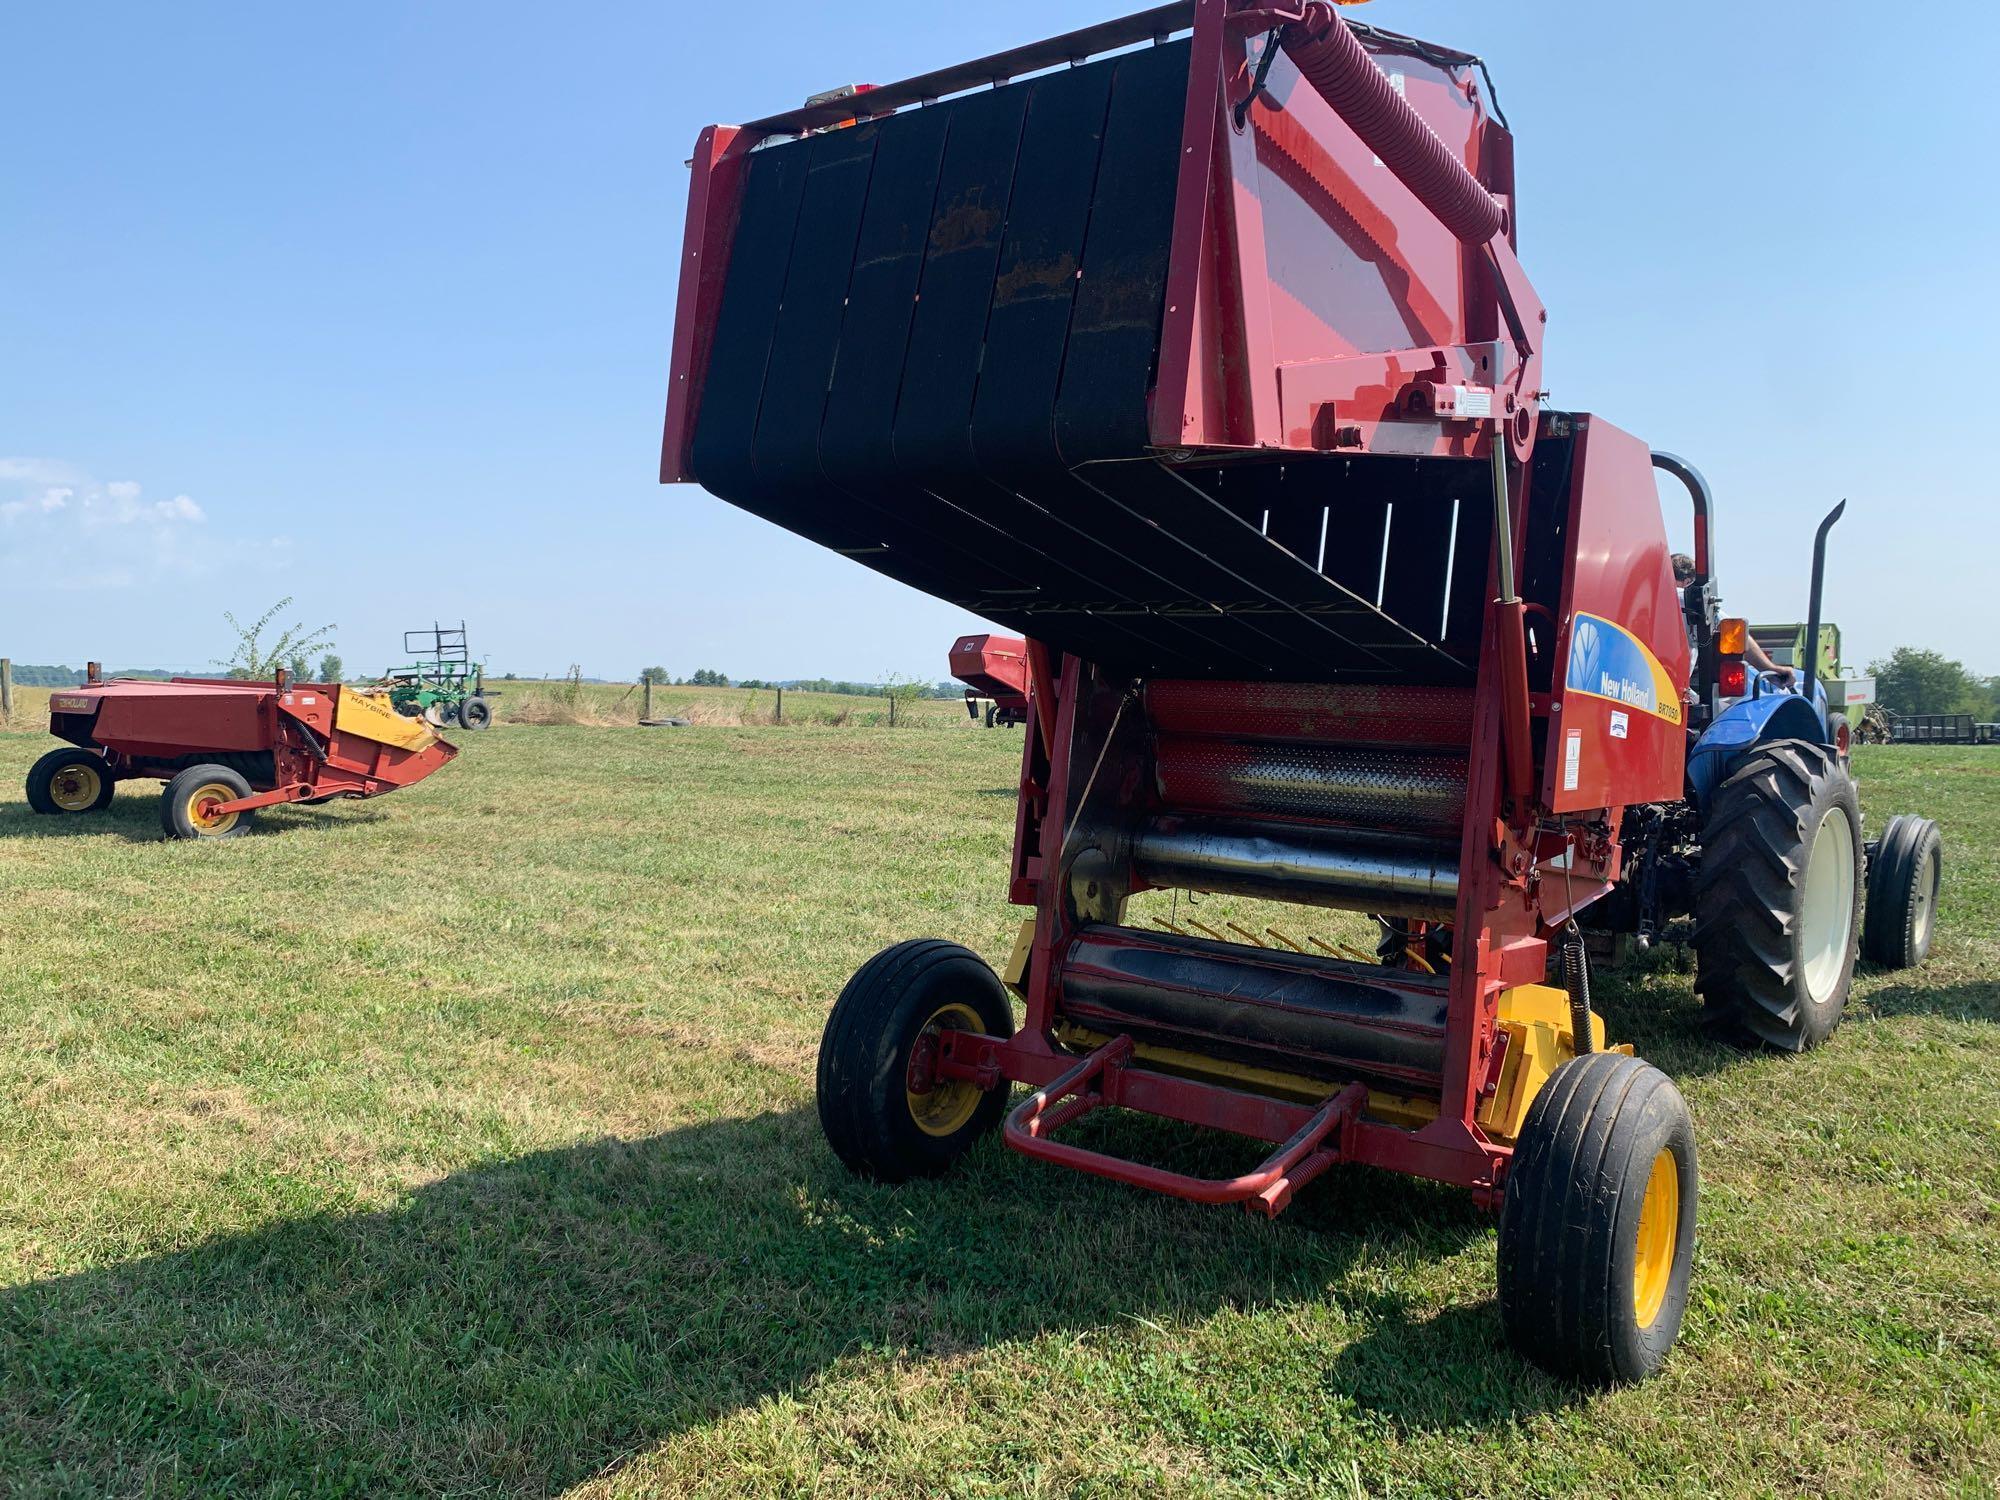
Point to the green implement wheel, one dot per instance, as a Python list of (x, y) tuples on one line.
[(70, 780)]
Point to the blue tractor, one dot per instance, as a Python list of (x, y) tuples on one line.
[(1765, 853)]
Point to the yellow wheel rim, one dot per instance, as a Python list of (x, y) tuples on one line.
[(206, 797), (75, 788), (1659, 1228), (949, 1102)]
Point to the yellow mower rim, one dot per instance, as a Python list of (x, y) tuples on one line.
[(1659, 1230), (951, 1102), (205, 796), (75, 788)]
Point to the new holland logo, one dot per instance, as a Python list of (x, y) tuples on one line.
[(1607, 661)]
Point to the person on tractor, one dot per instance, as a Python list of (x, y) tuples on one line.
[(1755, 655)]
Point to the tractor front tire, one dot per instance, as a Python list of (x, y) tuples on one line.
[(1778, 899), (70, 780), (884, 1117), (184, 805), (1903, 883), (1597, 1222), (474, 713)]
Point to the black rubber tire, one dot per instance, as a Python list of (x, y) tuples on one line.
[(1750, 895), (865, 1054), (177, 803), (474, 713), (1903, 881), (1570, 1220), (42, 775)]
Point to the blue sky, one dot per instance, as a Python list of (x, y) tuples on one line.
[(370, 305)]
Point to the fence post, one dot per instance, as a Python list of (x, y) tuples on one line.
[(892, 710), (6, 687), (646, 703), (778, 715)]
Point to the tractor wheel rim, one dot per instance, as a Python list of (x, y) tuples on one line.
[(1659, 1232), (948, 1103), (1827, 913), (200, 807), (1927, 889), (75, 788)]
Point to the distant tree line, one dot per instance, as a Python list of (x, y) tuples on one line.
[(895, 687), (1910, 680)]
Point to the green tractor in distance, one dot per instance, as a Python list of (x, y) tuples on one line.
[(1849, 695), (444, 686)]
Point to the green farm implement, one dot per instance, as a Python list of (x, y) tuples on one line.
[(443, 685)]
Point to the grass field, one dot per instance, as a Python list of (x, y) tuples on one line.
[(462, 1142)]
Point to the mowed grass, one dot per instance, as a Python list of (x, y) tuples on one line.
[(462, 1142)]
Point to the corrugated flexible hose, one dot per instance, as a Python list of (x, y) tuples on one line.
[(1332, 59)]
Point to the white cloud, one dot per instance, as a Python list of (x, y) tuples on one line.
[(70, 531)]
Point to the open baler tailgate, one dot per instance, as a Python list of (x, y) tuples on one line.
[(1003, 348)]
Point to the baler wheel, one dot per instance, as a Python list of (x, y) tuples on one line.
[(1597, 1226), (474, 713), (885, 1112), (70, 780), (1903, 883), (1778, 900), (184, 805)]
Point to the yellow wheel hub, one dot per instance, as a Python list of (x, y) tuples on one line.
[(948, 1103), (1659, 1228), (76, 788), (201, 807)]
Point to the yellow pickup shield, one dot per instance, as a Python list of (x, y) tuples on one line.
[(372, 717)]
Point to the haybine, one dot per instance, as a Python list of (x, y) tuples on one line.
[(1194, 347)]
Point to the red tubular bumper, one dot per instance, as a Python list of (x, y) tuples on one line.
[(1096, 1080)]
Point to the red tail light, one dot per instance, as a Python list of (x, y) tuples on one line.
[(1730, 680), (1843, 735)]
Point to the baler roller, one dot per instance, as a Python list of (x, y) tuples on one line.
[(1342, 869), (1320, 1016)]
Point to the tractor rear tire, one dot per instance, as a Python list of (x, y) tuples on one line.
[(1597, 1224), (880, 1121), (474, 713), (70, 780), (1902, 893), (182, 805), (1778, 898)]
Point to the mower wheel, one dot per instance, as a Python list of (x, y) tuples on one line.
[(884, 1111), (1778, 899), (184, 805), (474, 713), (1597, 1225), (70, 780), (1902, 893)]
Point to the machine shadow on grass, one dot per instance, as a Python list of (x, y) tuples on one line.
[(137, 821), (520, 1326)]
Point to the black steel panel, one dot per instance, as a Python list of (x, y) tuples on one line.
[(1115, 330), (1013, 420), (733, 389)]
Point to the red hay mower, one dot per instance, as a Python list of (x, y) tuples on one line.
[(226, 748), (1194, 347)]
